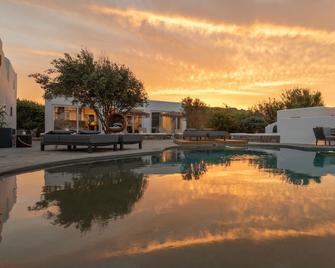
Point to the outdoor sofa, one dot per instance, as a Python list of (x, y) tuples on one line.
[(91, 140), (130, 139), (325, 134), (200, 134)]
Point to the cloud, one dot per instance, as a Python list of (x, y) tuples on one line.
[(236, 52)]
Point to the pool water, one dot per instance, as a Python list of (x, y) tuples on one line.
[(180, 208)]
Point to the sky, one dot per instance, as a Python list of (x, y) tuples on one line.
[(225, 52)]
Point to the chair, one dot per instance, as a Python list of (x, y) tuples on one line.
[(323, 133)]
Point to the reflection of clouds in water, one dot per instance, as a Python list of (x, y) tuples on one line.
[(295, 167), (238, 203), (207, 237)]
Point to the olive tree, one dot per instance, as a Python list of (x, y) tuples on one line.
[(102, 85)]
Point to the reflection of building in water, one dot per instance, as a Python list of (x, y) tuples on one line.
[(7, 199), (65, 175), (295, 166)]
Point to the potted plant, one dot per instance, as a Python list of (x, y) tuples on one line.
[(5, 133)]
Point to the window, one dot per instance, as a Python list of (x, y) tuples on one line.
[(65, 118), (155, 122), (11, 111), (88, 119)]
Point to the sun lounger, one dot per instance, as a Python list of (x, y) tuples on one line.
[(217, 134), (204, 134), (195, 134), (74, 140)]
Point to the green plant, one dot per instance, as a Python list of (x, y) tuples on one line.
[(268, 109), (253, 124), (30, 116), (290, 99), (196, 112), (223, 121), (301, 98), (3, 117)]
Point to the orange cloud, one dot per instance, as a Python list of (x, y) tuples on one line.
[(175, 51)]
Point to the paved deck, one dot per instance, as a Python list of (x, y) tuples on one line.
[(16, 160)]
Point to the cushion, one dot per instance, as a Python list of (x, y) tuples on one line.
[(61, 132), (88, 132)]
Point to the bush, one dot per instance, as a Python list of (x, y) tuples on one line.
[(223, 121), (254, 124), (30, 116)]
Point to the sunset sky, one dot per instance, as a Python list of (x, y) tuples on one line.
[(235, 52)]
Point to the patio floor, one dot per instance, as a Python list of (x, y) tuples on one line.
[(16, 160)]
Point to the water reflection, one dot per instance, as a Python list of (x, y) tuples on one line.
[(90, 194), (180, 207), (295, 167), (84, 195), (7, 199)]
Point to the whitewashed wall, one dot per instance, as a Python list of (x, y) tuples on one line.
[(8, 89), (269, 128), (296, 125)]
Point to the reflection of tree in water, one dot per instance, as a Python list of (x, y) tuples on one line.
[(195, 164), (96, 194)]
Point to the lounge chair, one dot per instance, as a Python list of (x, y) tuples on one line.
[(74, 140), (130, 139), (325, 134), (195, 134), (217, 134)]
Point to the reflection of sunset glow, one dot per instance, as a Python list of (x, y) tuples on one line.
[(234, 234), (239, 200)]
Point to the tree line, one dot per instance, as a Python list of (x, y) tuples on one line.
[(253, 120)]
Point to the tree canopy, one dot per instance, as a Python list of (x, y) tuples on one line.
[(196, 112), (102, 85), (30, 116), (301, 98), (290, 99)]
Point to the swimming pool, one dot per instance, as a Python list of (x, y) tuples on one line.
[(180, 208)]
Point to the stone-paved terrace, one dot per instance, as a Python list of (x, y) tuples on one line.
[(23, 159), (17, 160)]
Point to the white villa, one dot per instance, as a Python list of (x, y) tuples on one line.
[(296, 125), (155, 117), (8, 89)]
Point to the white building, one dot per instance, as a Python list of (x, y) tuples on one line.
[(296, 125), (8, 89), (155, 117)]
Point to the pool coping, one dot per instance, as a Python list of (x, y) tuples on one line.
[(106, 158)]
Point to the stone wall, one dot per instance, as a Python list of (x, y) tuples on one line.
[(265, 138)]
